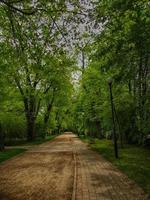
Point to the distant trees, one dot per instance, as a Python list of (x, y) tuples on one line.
[(39, 41), (121, 51)]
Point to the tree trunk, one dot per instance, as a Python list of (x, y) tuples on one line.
[(48, 110), (31, 109), (1, 139), (47, 114), (30, 128), (140, 97), (1, 145), (98, 130)]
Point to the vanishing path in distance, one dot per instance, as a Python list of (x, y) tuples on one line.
[(64, 169)]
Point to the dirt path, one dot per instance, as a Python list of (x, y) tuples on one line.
[(64, 169)]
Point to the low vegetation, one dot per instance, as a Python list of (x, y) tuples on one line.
[(21, 147), (8, 153), (29, 143), (133, 160)]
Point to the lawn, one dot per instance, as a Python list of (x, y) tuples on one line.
[(8, 153), (26, 143), (133, 160)]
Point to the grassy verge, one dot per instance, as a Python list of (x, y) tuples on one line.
[(25, 143), (40, 140), (8, 153), (133, 160)]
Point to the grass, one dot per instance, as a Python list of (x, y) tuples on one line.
[(133, 160), (40, 140), (8, 153), (26, 143)]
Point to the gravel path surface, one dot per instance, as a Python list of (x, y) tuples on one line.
[(64, 169)]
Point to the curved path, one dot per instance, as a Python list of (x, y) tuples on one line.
[(64, 169)]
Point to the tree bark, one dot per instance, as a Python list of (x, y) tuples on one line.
[(47, 114), (48, 109), (31, 110), (30, 128), (140, 97), (1, 139)]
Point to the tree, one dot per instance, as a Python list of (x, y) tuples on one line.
[(33, 37)]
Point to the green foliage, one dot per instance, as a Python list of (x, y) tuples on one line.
[(134, 160), (6, 154), (39, 47), (120, 51), (35, 69)]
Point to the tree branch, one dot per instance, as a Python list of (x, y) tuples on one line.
[(25, 12)]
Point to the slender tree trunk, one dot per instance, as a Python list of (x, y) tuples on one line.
[(1, 139), (140, 97), (98, 129), (83, 61), (130, 87), (47, 113), (46, 118)]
